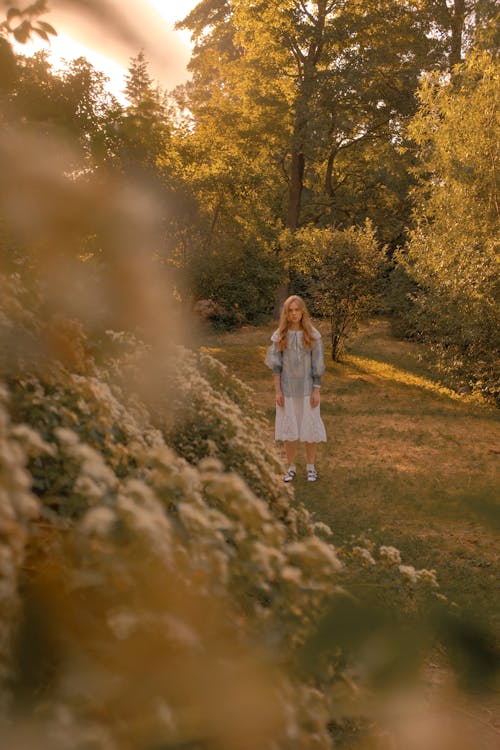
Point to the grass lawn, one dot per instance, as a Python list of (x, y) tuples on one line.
[(408, 462)]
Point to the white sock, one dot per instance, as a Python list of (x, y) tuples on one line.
[(310, 467), (292, 467)]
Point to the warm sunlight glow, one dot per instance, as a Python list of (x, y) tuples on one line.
[(173, 12), (76, 39), (64, 48)]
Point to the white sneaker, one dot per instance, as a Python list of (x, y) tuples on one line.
[(312, 475), (290, 475)]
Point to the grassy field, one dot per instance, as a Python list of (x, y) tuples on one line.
[(408, 462)]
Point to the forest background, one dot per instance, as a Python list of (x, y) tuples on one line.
[(345, 150), (324, 118)]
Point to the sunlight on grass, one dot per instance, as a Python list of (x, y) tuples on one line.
[(211, 349), (398, 375)]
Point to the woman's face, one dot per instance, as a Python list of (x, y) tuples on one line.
[(294, 313)]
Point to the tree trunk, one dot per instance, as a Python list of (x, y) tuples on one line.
[(329, 173), (295, 189), (282, 292), (295, 186), (457, 30), (307, 69), (335, 339)]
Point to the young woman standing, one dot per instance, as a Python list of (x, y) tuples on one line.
[(297, 361)]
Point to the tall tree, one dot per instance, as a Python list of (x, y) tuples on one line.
[(453, 250), (321, 73), (145, 130)]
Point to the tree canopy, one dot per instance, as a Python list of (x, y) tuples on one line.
[(297, 116)]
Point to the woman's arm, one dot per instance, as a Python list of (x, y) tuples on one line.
[(280, 399), (318, 369), (274, 360)]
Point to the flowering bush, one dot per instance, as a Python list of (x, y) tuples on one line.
[(17, 507), (149, 534)]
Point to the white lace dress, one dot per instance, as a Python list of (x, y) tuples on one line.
[(299, 369)]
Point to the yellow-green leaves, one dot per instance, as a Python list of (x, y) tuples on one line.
[(453, 248)]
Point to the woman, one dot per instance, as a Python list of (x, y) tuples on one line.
[(297, 361)]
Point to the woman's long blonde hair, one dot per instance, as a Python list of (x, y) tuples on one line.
[(305, 323)]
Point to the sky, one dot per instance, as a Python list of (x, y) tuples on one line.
[(167, 50)]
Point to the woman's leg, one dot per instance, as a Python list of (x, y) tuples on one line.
[(310, 452), (291, 451), (312, 474)]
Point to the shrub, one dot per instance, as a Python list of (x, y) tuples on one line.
[(343, 273)]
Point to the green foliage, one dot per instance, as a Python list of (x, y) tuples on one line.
[(240, 277), (342, 272), (317, 98), (73, 103), (453, 248), (223, 238), (144, 130)]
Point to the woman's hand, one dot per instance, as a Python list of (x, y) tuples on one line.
[(280, 399), (315, 398)]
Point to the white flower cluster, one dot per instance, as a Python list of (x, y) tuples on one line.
[(390, 555), (419, 576), (364, 554), (215, 415), (17, 507)]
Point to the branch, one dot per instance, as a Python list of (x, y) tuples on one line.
[(370, 131), (308, 14), (296, 51)]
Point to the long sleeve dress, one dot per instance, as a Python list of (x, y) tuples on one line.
[(300, 369)]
